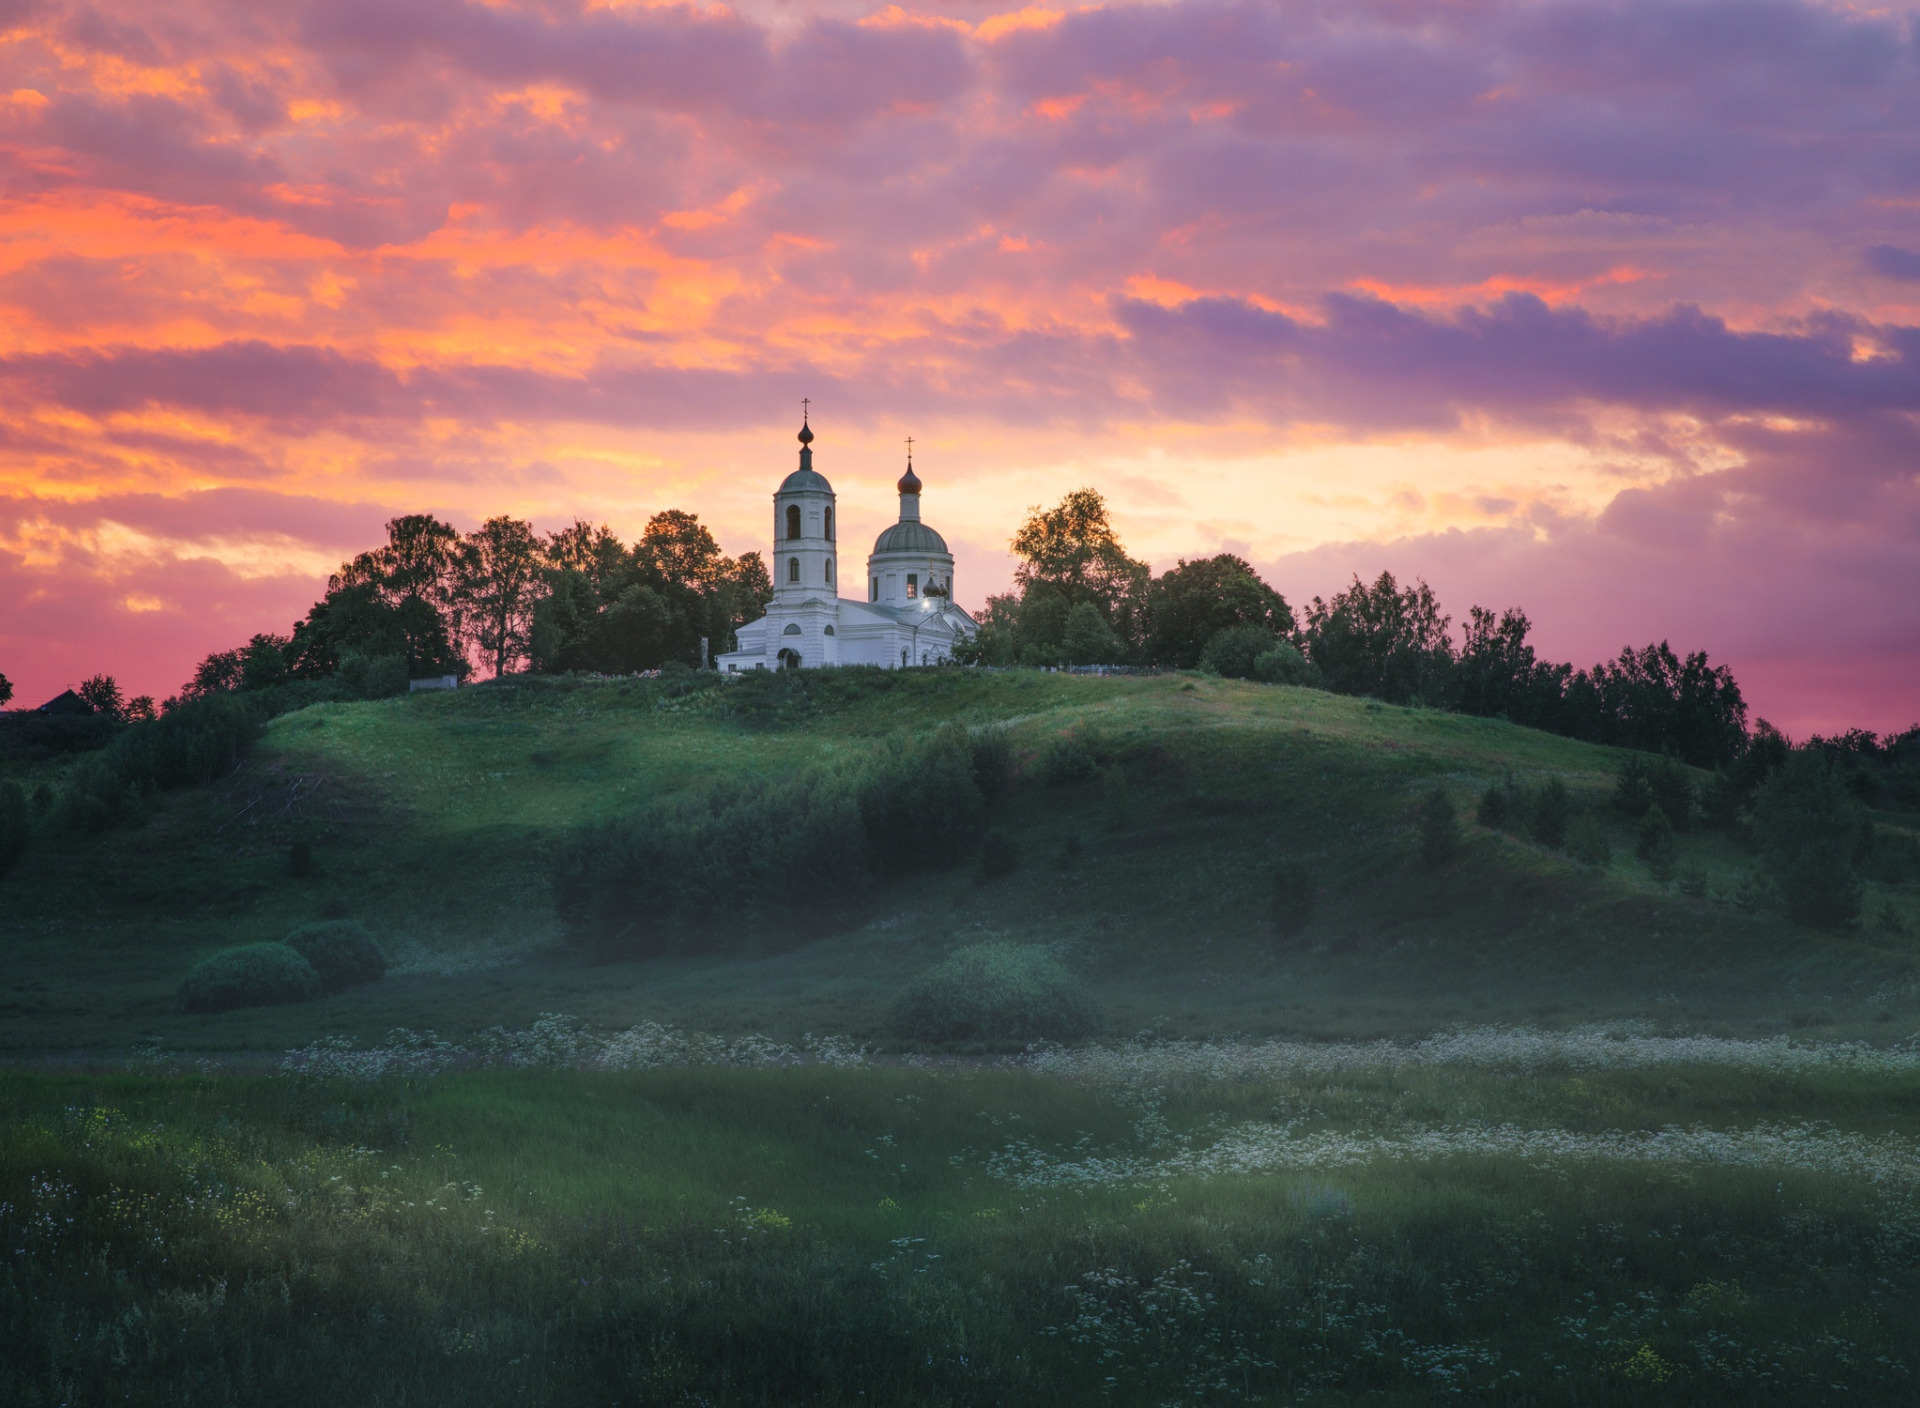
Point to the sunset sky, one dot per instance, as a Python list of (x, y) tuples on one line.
[(1609, 311)]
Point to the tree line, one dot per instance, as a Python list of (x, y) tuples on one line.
[(1079, 599)]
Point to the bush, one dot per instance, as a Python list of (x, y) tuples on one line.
[(1293, 897), (1818, 888), (14, 834), (1811, 831), (996, 992), (1673, 789), (1439, 827), (1285, 665), (1070, 757), (1552, 809), (919, 803), (1587, 841), (342, 952), (372, 676), (1633, 786), (1502, 805), (1234, 651), (999, 857), (1654, 843), (259, 975), (992, 760)]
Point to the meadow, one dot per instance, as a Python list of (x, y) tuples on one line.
[(1511, 1127)]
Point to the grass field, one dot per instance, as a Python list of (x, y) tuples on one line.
[(434, 819), (1511, 1128)]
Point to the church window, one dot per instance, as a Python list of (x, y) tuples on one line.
[(793, 629), (793, 522), (829, 630), (829, 520), (876, 590), (793, 569), (829, 571), (913, 585)]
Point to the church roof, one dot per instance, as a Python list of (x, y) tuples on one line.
[(909, 537), (805, 479)]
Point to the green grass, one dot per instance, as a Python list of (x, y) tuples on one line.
[(434, 819), (813, 1235)]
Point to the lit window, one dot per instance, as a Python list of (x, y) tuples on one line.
[(793, 569), (793, 522), (913, 585)]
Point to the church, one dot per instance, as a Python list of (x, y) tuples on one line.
[(908, 617)]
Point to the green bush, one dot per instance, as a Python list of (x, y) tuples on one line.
[(341, 951), (259, 975), (992, 753), (1070, 757), (1654, 844), (1633, 786), (919, 803), (1439, 827), (1673, 789), (1818, 887), (14, 833), (1234, 651), (1552, 810), (1285, 665), (1292, 897), (1502, 806), (996, 992), (1587, 841)]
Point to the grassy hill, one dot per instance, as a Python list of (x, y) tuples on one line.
[(435, 819)]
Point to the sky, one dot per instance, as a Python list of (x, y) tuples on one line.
[(1607, 311)]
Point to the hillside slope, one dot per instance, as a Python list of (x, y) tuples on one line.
[(435, 819)]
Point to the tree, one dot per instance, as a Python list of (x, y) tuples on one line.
[(1810, 827), (1382, 641), (1552, 810), (393, 600), (102, 695), (1653, 843), (681, 549), (1073, 549), (497, 579), (1088, 639), (1652, 700), (6, 691), (1190, 605), (1236, 651)]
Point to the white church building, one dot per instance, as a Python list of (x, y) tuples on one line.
[(908, 617)]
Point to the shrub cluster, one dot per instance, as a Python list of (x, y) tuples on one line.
[(191, 744), (996, 992), (1547, 815), (792, 857), (341, 952), (259, 975)]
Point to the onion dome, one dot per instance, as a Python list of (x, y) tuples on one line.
[(805, 477), (909, 482)]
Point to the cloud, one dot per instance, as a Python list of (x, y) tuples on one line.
[(1894, 262)]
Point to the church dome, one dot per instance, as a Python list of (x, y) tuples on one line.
[(909, 537), (805, 479)]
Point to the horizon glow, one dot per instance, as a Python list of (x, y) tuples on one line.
[(1607, 311)]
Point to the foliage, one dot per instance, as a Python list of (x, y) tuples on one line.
[(1382, 641), (1552, 810), (1073, 756), (1088, 639), (1633, 786), (188, 745), (1503, 805), (342, 953), (1073, 548), (258, 975), (992, 759), (6, 691), (102, 695), (1812, 831), (794, 856), (1189, 606), (15, 830), (1653, 843), (1284, 664), (1235, 652), (1439, 827), (1587, 840), (996, 992), (497, 580)]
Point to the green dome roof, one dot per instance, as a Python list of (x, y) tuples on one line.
[(805, 479), (910, 537)]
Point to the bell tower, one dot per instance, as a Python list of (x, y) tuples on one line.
[(805, 548)]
